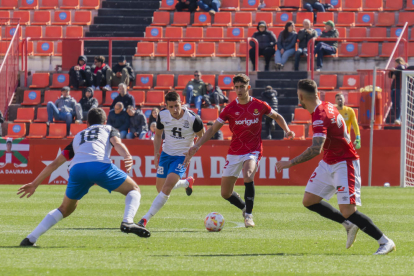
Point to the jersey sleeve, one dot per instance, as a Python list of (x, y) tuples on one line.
[(114, 133), (267, 110), (159, 124), (223, 117), (320, 125), (354, 123), (198, 124), (68, 151)]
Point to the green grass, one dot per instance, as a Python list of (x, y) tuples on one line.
[(288, 239)]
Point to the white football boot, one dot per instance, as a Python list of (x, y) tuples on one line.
[(248, 220), (351, 233), (386, 248)]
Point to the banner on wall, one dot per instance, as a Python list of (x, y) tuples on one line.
[(27, 158)]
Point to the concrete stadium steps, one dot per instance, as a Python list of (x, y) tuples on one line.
[(136, 4)]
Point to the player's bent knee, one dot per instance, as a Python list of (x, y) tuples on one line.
[(66, 211), (225, 194)]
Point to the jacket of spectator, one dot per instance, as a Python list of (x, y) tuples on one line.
[(119, 121), (151, 119), (84, 66), (199, 87), (138, 122), (1, 118), (104, 67), (269, 96), (127, 100), (118, 68), (331, 34), (88, 103), (310, 1), (265, 39), (66, 104), (396, 82), (218, 136), (304, 37), (287, 43)]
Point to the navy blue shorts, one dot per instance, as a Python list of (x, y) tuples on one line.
[(82, 176), (170, 164)]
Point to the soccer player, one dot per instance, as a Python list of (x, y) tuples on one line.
[(338, 172), (245, 119), (180, 126), (350, 119), (90, 151)]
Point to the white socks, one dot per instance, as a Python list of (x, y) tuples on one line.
[(383, 239), (132, 201), (347, 224), (181, 183), (51, 219), (157, 204)]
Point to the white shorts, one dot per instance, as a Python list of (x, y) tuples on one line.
[(234, 163), (343, 178)]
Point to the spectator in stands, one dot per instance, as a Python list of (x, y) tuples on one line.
[(215, 96), (211, 6), (153, 117), (304, 35), (191, 5), (137, 123), (63, 109), (85, 104), (123, 97), (80, 74), (121, 72), (310, 5), (99, 73), (218, 135), (269, 95), (400, 65), (285, 45), (195, 90), (1, 121), (267, 41), (261, 5), (151, 132), (327, 47), (119, 119)]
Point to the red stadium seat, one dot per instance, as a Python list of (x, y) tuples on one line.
[(393, 5), (76, 94), (202, 19), (183, 81), (24, 17), (241, 49), (378, 32), (302, 116), (29, 5), (5, 18), (209, 79), (155, 98), (89, 5), (161, 19), (110, 96), (348, 50), (251, 31), (227, 134), (74, 31), (410, 6), (167, 5), (144, 81), (272, 5), (62, 18), (385, 19), (230, 5), (49, 4), (181, 19), (82, 18), (310, 133), (291, 3), (165, 81), (58, 50), (75, 129), (209, 114), (145, 49), (242, 19), (345, 19), (276, 30), (354, 100), (25, 115), (139, 97), (300, 16), (404, 17), (106, 109), (33, 31), (327, 82), (373, 5), (249, 5), (235, 32), (162, 49), (41, 18), (365, 19), (51, 96), (9, 4), (264, 16), (350, 82), (70, 5), (151, 32), (396, 32), (44, 48), (222, 19), (358, 32), (194, 32), (387, 48), (53, 32), (369, 49), (323, 17), (225, 82), (16, 130), (214, 32), (60, 80), (186, 49), (282, 18), (330, 97), (37, 131), (337, 5), (354, 6), (173, 32), (56, 131), (232, 96), (31, 97), (40, 80), (299, 131), (226, 49)]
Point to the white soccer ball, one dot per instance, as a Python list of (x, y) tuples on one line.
[(214, 222)]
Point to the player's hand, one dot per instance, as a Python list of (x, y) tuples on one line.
[(119, 74), (290, 135), (283, 165), (156, 157), (27, 189), (188, 155), (357, 143), (128, 163)]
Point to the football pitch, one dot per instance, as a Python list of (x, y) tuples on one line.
[(287, 240)]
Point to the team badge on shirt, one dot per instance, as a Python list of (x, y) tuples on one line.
[(256, 112), (186, 124)]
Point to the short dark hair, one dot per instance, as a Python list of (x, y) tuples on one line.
[(130, 107), (308, 86), (339, 94), (96, 116), (172, 96), (100, 59), (241, 78)]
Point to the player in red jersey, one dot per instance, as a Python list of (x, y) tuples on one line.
[(338, 172), (245, 120)]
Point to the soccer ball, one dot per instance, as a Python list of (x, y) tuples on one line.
[(214, 222)]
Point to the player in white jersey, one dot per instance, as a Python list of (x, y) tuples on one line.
[(90, 153), (180, 126)]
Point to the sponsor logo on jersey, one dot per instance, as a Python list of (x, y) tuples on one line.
[(318, 123), (237, 113), (340, 189), (247, 122), (186, 124), (256, 112)]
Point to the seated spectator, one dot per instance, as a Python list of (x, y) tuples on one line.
[(267, 41), (121, 72), (123, 97), (85, 104), (218, 135), (137, 123), (195, 90), (1, 121), (310, 5), (119, 119), (80, 74), (151, 132), (215, 96), (211, 6), (190, 5), (99, 73), (304, 35), (63, 109), (327, 47), (400, 65), (153, 117), (261, 5), (285, 45), (269, 95)]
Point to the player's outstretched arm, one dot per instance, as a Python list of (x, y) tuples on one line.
[(282, 123), (157, 146), (355, 126), (122, 150), (29, 189), (308, 154)]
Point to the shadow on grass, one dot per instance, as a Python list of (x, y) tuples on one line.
[(82, 229), (234, 255)]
